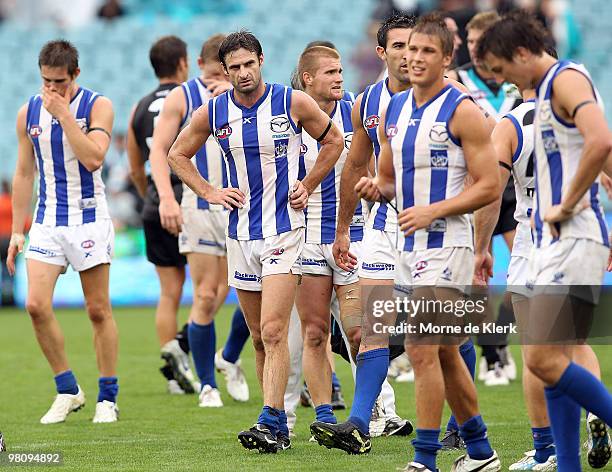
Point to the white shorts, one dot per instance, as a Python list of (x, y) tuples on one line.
[(579, 264), (317, 259), (82, 246), (249, 261), (378, 255), (518, 271), (444, 267), (203, 232)]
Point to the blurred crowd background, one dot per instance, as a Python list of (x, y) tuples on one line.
[(114, 36)]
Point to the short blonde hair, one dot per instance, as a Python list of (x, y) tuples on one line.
[(483, 21), (309, 60)]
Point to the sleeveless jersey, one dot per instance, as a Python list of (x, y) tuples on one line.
[(208, 159), (261, 146), (497, 101), (144, 120), (429, 165), (522, 118), (558, 149), (373, 104), (323, 204), (68, 194)]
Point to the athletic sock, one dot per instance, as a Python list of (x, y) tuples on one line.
[(426, 446), (183, 338), (587, 391), (325, 414), (335, 381), (238, 336), (468, 354), (271, 418), (474, 434), (543, 443), (564, 416), (282, 423), (371, 373), (66, 383), (202, 341), (108, 389)]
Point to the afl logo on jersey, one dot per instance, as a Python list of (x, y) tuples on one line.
[(348, 139), (371, 121), (391, 131), (303, 149), (280, 124), (35, 131), (224, 132)]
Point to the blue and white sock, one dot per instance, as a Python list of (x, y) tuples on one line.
[(587, 391), (468, 354), (325, 413), (564, 414), (426, 446), (372, 369), (282, 423), (474, 434), (237, 338), (271, 418), (202, 340), (108, 389), (66, 383), (543, 443)]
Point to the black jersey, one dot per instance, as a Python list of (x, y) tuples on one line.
[(144, 120)]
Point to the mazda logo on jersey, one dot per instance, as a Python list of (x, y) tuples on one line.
[(303, 149), (545, 112), (35, 131), (224, 132), (438, 133), (348, 138), (391, 131), (280, 124), (371, 121)]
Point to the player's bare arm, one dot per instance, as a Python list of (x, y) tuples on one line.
[(23, 182), (573, 100), (186, 145), (505, 142), (317, 124), (355, 167), (164, 134), (135, 162), (469, 126), (90, 148), (383, 185)]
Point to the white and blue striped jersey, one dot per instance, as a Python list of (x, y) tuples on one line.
[(68, 194), (323, 203), (374, 102), (261, 145), (429, 165), (348, 97), (208, 159), (558, 149), (522, 118)]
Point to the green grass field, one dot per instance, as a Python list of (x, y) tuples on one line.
[(162, 432)]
